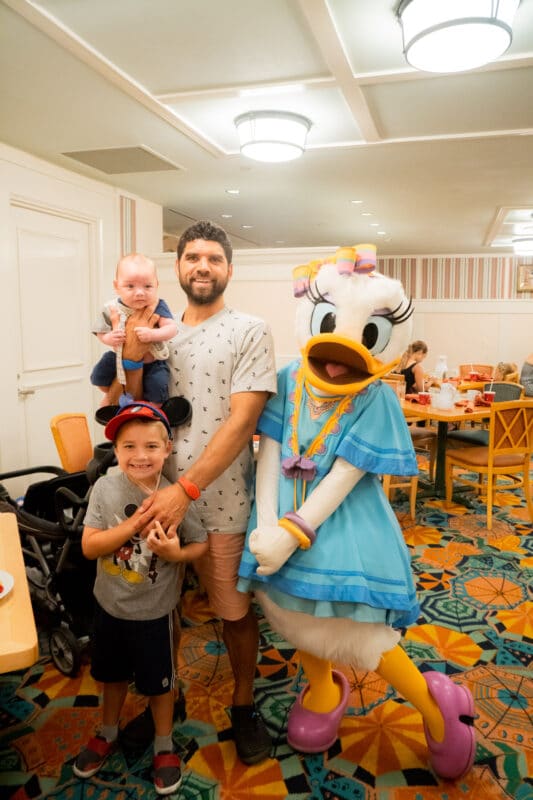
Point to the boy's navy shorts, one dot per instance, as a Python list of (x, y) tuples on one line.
[(156, 376), (139, 650)]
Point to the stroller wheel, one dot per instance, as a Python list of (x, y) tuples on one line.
[(65, 651)]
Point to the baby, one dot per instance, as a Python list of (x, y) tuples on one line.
[(136, 286)]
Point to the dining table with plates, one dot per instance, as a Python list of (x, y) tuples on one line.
[(461, 411)]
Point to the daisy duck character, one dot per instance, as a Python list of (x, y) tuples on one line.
[(324, 552)]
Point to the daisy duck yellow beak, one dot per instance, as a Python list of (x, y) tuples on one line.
[(336, 365)]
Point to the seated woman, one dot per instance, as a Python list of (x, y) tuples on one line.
[(526, 375), (410, 367)]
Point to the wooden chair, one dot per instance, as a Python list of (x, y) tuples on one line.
[(505, 390), (483, 369), (393, 482), (479, 437), (393, 376), (396, 382), (73, 440), (425, 441), (508, 454)]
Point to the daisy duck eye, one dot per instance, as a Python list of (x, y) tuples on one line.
[(377, 333), (323, 318)]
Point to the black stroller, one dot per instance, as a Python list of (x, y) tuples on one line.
[(50, 522)]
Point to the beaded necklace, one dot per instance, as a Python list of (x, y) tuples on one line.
[(301, 466)]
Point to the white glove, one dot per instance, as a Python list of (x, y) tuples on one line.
[(272, 546)]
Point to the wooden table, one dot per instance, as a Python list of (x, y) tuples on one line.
[(443, 416), (464, 386), (18, 636)]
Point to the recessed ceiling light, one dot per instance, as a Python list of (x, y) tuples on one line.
[(246, 227), (233, 191), (280, 241), (356, 202), (366, 214), (381, 233), (226, 216), (374, 224)]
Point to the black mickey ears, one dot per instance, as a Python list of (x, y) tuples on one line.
[(178, 411)]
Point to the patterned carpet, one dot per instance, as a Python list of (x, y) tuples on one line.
[(476, 625)]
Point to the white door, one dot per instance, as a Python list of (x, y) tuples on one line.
[(53, 259)]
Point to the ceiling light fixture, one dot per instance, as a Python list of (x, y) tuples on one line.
[(523, 245), (455, 35), (272, 136)]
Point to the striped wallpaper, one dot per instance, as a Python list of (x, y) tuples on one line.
[(128, 233), (457, 277)]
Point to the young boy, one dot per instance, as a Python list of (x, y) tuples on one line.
[(136, 589), (136, 286)]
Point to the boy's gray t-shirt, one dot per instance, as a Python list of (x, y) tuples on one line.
[(132, 582)]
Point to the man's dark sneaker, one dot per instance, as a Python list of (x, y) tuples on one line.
[(252, 739), (93, 755), (167, 772), (139, 732)]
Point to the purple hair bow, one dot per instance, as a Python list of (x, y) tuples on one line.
[(298, 467)]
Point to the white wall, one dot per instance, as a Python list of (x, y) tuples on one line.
[(483, 332), (44, 186)]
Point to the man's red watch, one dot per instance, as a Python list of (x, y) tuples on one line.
[(190, 488)]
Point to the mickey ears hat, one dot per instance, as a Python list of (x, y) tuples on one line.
[(136, 410)]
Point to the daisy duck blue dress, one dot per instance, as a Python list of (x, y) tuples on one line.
[(359, 566)]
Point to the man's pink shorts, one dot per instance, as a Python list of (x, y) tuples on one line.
[(217, 571)]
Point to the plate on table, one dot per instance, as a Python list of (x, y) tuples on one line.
[(7, 582)]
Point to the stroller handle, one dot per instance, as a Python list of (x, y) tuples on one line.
[(19, 473)]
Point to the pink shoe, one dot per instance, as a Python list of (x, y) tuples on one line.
[(453, 757), (312, 731)]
